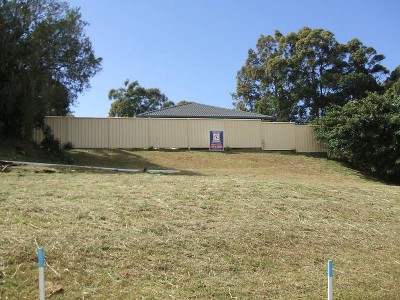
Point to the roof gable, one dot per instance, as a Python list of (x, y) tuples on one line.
[(197, 110)]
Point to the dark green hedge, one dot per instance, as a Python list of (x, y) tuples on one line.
[(365, 133)]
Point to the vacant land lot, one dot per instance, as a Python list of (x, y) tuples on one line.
[(232, 226)]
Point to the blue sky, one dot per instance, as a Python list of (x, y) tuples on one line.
[(191, 50)]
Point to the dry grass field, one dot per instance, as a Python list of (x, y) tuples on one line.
[(236, 225)]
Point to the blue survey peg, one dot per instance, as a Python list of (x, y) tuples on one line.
[(330, 279), (40, 257), (330, 268), (41, 274), (42, 292)]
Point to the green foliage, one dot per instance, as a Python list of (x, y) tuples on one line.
[(49, 143), (45, 61), (68, 146), (168, 104), (132, 99), (183, 102), (365, 133), (393, 78), (295, 77)]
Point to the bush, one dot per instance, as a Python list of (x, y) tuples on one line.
[(50, 143), (68, 146), (365, 133)]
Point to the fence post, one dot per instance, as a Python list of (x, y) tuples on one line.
[(41, 273), (330, 278)]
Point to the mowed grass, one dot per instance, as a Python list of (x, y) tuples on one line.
[(238, 225)]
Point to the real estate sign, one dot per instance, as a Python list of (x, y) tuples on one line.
[(216, 140)]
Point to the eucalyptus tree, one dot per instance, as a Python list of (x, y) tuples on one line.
[(295, 77), (46, 60), (133, 99)]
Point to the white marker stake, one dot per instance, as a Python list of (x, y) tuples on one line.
[(41, 273), (330, 278)]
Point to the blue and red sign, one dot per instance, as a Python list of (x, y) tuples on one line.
[(216, 140)]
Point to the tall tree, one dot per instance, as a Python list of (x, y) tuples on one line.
[(132, 99), (46, 60), (295, 77), (361, 71), (393, 78)]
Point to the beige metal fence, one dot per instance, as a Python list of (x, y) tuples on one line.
[(180, 133)]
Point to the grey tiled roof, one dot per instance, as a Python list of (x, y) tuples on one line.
[(197, 110)]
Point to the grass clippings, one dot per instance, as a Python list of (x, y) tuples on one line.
[(243, 225)]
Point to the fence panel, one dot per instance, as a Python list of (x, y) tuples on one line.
[(278, 136), (128, 133), (37, 136), (180, 133), (59, 127), (89, 132), (199, 131), (306, 141), (242, 133), (168, 133)]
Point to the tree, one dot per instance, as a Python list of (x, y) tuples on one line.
[(365, 133), (168, 103), (295, 77), (183, 102), (132, 99), (46, 60), (393, 78), (360, 72)]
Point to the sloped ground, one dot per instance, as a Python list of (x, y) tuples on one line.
[(244, 225)]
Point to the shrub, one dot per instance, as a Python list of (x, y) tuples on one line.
[(365, 133), (68, 146), (50, 143)]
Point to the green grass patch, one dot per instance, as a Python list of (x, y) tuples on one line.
[(248, 225)]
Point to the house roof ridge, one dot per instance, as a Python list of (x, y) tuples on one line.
[(199, 110), (164, 108)]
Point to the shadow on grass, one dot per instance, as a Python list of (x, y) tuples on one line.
[(20, 150), (322, 155), (361, 173), (109, 158), (367, 175), (12, 149), (116, 158)]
